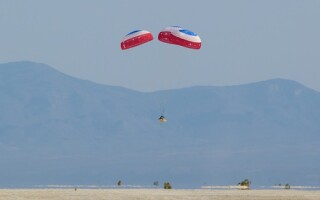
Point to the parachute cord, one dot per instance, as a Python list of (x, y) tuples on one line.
[(163, 110)]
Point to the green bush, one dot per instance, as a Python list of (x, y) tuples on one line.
[(156, 183), (167, 185), (287, 186), (119, 183), (245, 183)]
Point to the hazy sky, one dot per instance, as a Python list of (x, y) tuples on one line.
[(243, 41)]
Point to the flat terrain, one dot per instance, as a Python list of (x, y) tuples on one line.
[(133, 194)]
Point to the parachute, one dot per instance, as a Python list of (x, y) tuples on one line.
[(180, 36), (136, 38), (172, 35)]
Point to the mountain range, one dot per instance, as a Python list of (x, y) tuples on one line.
[(57, 129)]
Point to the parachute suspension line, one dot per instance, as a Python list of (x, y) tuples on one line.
[(162, 117), (163, 81), (163, 110)]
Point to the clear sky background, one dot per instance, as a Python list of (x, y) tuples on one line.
[(243, 40)]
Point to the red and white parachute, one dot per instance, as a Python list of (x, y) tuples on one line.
[(136, 38), (172, 35), (180, 36)]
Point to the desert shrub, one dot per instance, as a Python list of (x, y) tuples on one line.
[(287, 186), (156, 183), (245, 184), (119, 183), (167, 185)]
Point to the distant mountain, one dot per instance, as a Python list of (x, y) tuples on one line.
[(56, 129)]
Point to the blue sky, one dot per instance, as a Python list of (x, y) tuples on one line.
[(243, 41)]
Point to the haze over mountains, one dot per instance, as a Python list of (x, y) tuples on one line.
[(56, 129)]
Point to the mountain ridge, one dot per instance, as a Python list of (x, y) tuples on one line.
[(56, 129)]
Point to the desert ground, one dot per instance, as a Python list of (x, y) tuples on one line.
[(156, 194)]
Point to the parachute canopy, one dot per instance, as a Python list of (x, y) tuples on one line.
[(136, 38), (180, 36)]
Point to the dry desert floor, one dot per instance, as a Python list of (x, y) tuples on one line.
[(157, 194)]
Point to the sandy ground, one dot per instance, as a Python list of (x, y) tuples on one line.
[(158, 194)]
